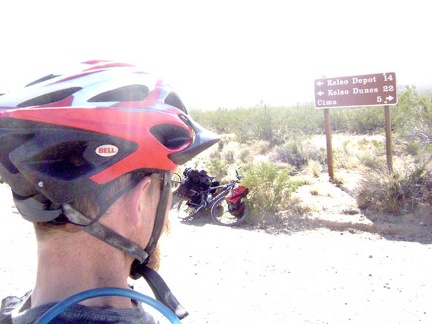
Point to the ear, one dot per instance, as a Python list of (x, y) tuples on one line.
[(136, 201)]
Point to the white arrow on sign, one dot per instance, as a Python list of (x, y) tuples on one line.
[(320, 93), (389, 98), (320, 83)]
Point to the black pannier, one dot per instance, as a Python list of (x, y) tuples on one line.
[(193, 183)]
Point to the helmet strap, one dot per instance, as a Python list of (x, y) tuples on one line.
[(160, 289), (138, 269), (104, 233), (104, 205), (160, 213)]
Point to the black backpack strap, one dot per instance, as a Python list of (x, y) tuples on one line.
[(159, 288), (9, 304)]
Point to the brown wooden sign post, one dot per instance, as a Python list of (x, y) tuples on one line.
[(354, 91), (329, 144), (387, 118)]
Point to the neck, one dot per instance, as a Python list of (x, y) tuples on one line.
[(83, 262)]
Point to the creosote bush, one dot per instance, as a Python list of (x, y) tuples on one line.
[(292, 153), (314, 168), (297, 152), (270, 188), (396, 192), (217, 168)]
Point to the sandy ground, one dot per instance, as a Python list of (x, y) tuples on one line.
[(351, 273)]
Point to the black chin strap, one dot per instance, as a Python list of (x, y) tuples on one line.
[(160, 213)]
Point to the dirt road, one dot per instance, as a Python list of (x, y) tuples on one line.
[(226, 275), (232, 275)]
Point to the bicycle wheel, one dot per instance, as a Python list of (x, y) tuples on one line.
[(184, 210), (175, 183), (221, 215)]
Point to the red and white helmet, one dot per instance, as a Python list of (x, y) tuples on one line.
[(64, 135), (68, 134)]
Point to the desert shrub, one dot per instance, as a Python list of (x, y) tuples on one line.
[(363, 144), (262, 147), (314, 168), (218, 120), (379, 146), (297, 152), (215, 155), (245, 156), (364, 120), (412, 148), (292, 153), (216, 168), (314, 153), (338, 180), (413, 118), (229, 156), (245, 129), (270, 124), (270, 188), (371, 161), (261, 123), (346, 145), (395, 192)]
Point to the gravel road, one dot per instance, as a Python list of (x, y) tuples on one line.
[(235, 275)]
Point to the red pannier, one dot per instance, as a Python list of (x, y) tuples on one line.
[(235, 204)]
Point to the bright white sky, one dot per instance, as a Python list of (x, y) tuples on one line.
[(223, 53)]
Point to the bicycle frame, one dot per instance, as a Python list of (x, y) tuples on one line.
[(205, 203)]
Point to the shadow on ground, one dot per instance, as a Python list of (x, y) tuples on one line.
[(409, 228), (393, 228), (200, 219)]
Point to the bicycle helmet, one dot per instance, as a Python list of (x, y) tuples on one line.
[(68, 134)]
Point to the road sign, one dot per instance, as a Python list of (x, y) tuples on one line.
[(359, 90)]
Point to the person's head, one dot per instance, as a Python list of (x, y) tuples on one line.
[(73, 146), (130, 215)]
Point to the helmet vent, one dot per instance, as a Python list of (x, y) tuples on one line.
[(65, 161), (134, 92), (45, 78), (171, 136), (49, 98), (173, 100)]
